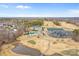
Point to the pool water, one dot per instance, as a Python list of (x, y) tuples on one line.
[(31, 33)]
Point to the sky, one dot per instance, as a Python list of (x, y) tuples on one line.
[(39, 9)]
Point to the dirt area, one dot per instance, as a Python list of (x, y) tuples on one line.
[(51, 45), (46, 44), (64, 25)]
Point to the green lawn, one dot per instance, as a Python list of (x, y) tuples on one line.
[(71, 52), (32, 42)]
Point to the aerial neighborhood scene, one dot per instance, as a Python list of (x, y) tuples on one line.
[(39, 29)]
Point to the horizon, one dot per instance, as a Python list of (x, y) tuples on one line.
[(39, 17)]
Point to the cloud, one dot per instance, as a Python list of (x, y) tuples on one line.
[(75, 11), (22, 7), (4, 6)]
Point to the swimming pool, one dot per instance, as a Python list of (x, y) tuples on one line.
[(31, 33)]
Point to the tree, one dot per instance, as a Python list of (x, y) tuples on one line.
[(37, 22), (76, 31), (75, 35)]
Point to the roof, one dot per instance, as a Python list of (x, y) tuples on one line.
[(55, 28)]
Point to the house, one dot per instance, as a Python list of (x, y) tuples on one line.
[(59, 32), (36, 28)]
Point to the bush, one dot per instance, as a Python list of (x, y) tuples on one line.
[(68, 22), (76, 31), (76, 35), (32, 42), (57, 23)]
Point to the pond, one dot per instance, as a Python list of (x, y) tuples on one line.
[(25, 50)]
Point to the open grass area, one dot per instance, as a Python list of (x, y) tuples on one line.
[(71, 52), (32, 42)]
